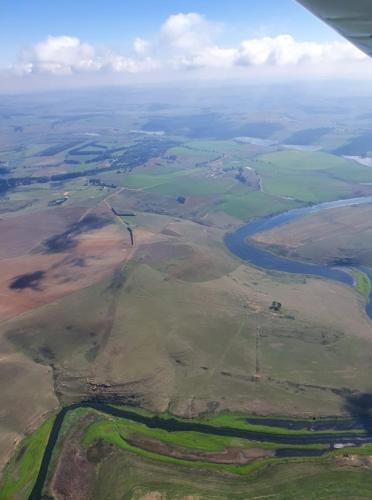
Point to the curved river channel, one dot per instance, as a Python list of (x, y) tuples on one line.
[(347, 431), (239, 244), (340, 431)]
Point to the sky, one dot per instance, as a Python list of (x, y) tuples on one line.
[(73, 42)]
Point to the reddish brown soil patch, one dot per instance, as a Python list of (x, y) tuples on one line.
[(94, 257), (22, 233), (74, 476), (230, 455)]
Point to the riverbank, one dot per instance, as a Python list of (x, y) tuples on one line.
[(233, 443), (240, 244)]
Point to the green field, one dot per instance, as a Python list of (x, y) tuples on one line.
[(20, 473), (289, 179), (282, 482), (244, 206), (310, 176), (363, 283), (221, 194), (106, 443), (170, 321)]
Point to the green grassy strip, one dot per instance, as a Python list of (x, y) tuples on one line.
[(362, 283), (366, 449), (188, 439), (238, 421), (20, 473), (192, 440), (117, 438)]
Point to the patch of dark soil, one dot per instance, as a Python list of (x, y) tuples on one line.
[(75, 474), (229, 455), (99, 451), (299, 452)]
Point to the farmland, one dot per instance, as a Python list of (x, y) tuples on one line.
[(170, 321), (96, 436), (327, 237)]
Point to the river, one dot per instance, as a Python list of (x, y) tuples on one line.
[(353, 437), (236, 242), (239, 244)]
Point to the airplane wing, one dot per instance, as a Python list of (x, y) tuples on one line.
[(351, 18)]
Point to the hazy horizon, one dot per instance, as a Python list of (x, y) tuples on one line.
[(177, 41)]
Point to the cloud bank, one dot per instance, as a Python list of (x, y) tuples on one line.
[(185, 42)]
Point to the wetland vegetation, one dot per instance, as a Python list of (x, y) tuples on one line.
[(226, 443)]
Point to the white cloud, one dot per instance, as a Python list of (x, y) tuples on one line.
[(285, 50), (141, 46), (64, 55), (185, 41), (209, 57), (60, 55), (187, 32)]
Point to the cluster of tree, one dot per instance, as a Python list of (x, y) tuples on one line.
[(98, 182), (240, 176), (58, 148), (132, 157)]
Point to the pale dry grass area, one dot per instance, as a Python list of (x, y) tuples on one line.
[(157, 495), (27, 396), (344, 232), (185, 327), (27, 391), (312, 300)]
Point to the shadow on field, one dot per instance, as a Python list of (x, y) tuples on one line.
[(359, 407), (29, 280), (67, 240)]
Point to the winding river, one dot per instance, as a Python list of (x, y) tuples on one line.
[(239, 244), (353, 436)]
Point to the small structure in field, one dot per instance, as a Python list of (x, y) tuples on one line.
[(275, 306), (57, 202), (122, 214)]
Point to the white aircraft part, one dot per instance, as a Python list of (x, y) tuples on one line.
[(351, 18)]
